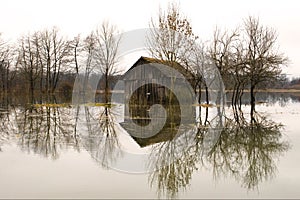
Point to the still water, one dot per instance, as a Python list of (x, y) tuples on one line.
[(56, 150)]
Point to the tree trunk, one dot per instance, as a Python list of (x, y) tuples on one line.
[(240, 100), (233, 95), (252, 102), (31, 88), (206, 93), (199, 101), (207, 102), (106, 88), (76, 62)]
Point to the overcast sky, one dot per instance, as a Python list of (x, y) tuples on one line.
[(73, 17)]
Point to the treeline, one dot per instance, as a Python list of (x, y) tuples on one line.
[(35, 62), (46, 61), (294, 83)]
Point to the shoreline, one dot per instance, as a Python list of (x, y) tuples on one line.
[(272, 90)]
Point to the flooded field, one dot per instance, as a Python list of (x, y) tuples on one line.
[(53, 149)]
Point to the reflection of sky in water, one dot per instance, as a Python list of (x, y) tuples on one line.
[(75, 174)]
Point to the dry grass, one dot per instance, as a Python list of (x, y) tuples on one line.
[(52, 105), (205, 105)]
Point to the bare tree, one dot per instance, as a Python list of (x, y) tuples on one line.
[(29, 60), (86, 60), (6, 60), (77, 49), (55, 55), (108, 41), (171, 37), (227, 54), (89, 48), (263, 61), (222, 49)]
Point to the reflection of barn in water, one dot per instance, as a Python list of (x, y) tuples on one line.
[(146, 86)]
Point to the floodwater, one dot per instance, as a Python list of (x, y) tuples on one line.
[(58, 150)]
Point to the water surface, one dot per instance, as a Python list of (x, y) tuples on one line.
[(48, 150)]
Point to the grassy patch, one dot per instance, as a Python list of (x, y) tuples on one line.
[(52, 105), (108, 105), (205, 105)]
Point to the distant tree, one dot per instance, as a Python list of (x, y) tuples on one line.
[(294, 83)]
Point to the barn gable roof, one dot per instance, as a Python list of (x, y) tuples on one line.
[(175, 65)]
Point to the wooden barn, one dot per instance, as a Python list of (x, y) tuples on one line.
[(146, 87)]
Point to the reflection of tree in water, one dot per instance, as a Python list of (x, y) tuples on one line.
[(271, 98), (282, 98), (245, 150), (46, 129), (102, 138), (7, 122), (6, 126), (175, 160), (173, 168)]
